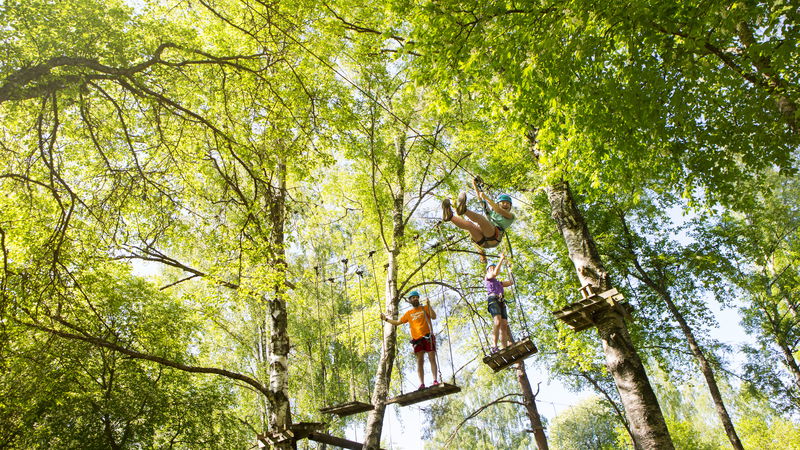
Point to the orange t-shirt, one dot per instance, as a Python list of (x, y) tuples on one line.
[(415, 318)]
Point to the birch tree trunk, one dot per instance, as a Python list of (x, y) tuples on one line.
[(623, 362), (383, 376), (280, 417)]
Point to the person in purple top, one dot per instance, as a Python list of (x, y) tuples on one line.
[(496, 303)]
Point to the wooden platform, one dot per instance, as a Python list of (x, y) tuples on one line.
[(512, 354), (347, 409), (427, 393), (580, 315), (333, 440), (305, 430), (296, 432)]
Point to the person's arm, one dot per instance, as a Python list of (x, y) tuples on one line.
[(507, 283), (497, 208), (500, 263), (430, 310), (391, 321)]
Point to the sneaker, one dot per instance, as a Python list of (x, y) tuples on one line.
[(461, 204), (495, 350), (435, 382), (447, 213), (421, 387)]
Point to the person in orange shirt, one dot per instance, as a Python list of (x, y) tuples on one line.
[(424, 341)]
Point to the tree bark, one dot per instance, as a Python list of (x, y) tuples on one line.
[(623, 362), (530, 407), (280, 417)]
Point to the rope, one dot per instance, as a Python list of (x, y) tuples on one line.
[(377, 297), (319, 333), (367, 384), (347, 301), (446, 319), (514, 283), (333, 317), (462, 292), (480, 184), (427, 317)]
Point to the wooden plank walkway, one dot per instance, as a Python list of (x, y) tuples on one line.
[(347, 409), (306, 430), (334, 440), (427, 393), (514, 353)]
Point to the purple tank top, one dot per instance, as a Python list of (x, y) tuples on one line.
[(493, 286)]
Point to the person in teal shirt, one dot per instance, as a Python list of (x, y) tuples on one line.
[(486, 231)]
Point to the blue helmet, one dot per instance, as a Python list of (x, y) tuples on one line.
[(412, 294), (504, 198)]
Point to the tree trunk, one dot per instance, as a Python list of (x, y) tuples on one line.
[(280, 417), (622, 360), (697, 351), (530, 406), (598, 387), (383, 376), (702, 361)]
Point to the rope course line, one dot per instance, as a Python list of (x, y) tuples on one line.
[(430, 322), (478, 332)]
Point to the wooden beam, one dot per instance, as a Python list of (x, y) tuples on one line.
[(333, 440)]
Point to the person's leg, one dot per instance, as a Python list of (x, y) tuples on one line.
[(476, 233), (434, 367), (496, 328), (505, 332), (486, 228), (420, 359)]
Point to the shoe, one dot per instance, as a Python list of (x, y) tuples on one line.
[(461, 204), (495, 350), (435, 383), (421, 387), (447, 213)]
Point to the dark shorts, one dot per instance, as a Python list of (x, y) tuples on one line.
[(496, 307), (424, 345)]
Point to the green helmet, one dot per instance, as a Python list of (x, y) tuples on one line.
[(412, 294), (504, 198)]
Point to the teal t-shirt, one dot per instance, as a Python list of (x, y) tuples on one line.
[(499, 221)]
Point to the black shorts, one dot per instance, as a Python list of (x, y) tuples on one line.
[(497, 306)]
